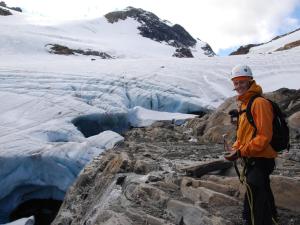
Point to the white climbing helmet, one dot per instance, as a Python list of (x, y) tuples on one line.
[(241, 71)]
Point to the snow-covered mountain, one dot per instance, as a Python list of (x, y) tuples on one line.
[(60, 94), (279, 43), (132, 33), (162, 31)]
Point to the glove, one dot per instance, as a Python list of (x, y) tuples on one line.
[(232, 155)]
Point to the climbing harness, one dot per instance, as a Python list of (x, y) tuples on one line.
[(242, 179)]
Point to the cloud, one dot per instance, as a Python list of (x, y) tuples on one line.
[(221, 23), (229, 23)]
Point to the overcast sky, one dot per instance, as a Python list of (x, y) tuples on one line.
[(224, 24)]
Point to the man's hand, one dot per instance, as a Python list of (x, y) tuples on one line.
[(232, 155)]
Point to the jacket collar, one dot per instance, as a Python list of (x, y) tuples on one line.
[(254, 89)]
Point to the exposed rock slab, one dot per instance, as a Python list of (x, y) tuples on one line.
[(203, 168), (109, 191)]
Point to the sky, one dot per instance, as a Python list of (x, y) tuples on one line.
[(224, 24)]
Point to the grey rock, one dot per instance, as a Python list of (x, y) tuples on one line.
[(5, 12), (63, 50), (285, 191), (183, 53)]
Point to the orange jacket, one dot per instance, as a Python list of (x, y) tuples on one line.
[(262, 112)]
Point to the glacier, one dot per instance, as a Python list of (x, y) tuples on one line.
[(58, 112)]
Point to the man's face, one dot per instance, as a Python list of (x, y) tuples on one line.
[(241, 86)]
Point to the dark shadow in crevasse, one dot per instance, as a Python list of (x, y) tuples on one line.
[(93, 124), (43, 210)]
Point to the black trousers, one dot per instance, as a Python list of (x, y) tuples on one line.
[(258, 172)]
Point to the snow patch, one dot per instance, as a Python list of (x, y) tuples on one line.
[(23, 221), (141, 117)]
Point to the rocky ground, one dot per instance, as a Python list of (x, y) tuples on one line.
[(171, 174)]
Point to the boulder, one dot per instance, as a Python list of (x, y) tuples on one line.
[(294, 124), (213, 126), (286, 192), (197, 193)]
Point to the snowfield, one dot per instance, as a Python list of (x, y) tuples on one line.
[(276, 44), (42, 94)]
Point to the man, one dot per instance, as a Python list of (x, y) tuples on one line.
[(253, 145)]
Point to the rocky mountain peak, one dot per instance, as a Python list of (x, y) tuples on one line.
[(5, 11), (154, 28)]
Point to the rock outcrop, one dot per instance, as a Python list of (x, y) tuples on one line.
[(148, 184), (7, 12), (242, 50), (289, 46), (154, 28), (138, 184), (208, 50), (183, 53), (167, 174), (63, 50)]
